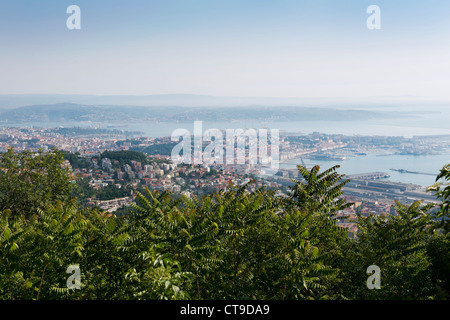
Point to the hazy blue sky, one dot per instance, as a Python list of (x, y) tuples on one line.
[(278, 48)]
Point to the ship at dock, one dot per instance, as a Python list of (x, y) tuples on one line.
[(327, 157)]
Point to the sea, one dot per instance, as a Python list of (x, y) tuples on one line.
[(428, 165)]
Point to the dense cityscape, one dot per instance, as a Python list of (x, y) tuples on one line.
[(113, 182)]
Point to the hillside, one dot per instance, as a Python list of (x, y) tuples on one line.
[(80, 112)]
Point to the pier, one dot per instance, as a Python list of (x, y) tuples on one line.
[(414, 172)]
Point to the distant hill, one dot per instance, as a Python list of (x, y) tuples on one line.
[(98, 113), (10, 101), (68, 112), (192, 100)]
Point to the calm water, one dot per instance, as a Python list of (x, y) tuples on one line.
[(371, 163)]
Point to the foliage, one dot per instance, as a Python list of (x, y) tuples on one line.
[(439, 247), (233, 244), (443, 194), (29, 181), (397, 245), (36, 253), (125, 157), (75, 160), (320, 191), (160, 148), (223, 240)]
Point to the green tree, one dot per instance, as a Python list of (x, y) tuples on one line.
[(443, 194), (439, 247), (36, 252), (397, 244), (114, 264), (318, 197), (237, 244), (29, 181), (319, 192)]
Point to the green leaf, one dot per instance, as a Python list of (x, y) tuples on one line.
[(14, 246)]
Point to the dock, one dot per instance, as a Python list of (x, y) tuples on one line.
[(413, 172)]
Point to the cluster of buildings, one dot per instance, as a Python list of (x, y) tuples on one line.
[(34, 139), (161, 175), (112, 205), (339, 147), (297, 148)]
